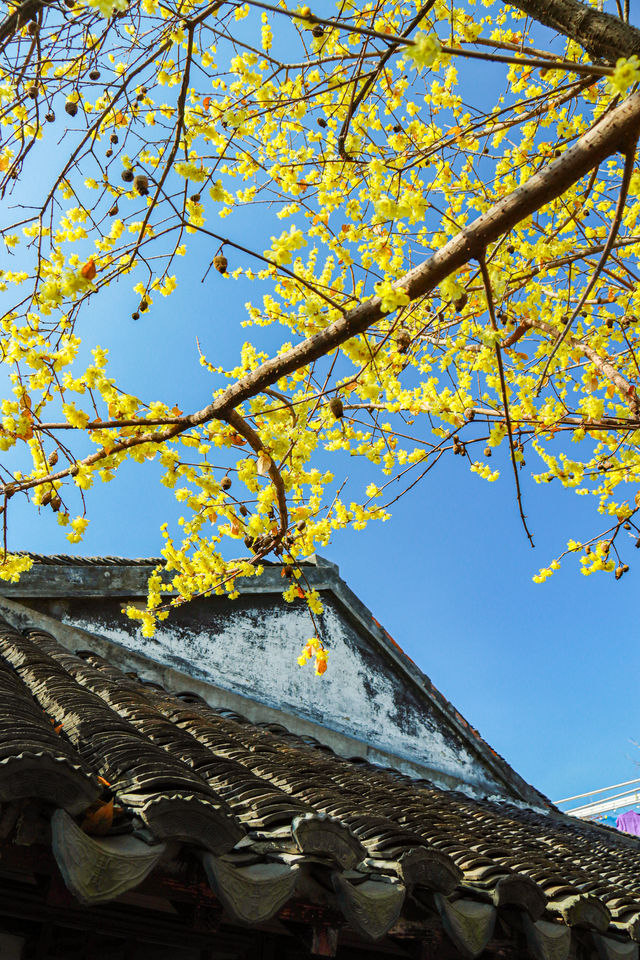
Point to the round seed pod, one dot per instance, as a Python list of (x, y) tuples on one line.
[(318, 31), (397, 128), (511, 248), (248, 542), (141, 184), (300, 525), (321, 122), (195, 198), (225, 483), (127, 176), (243, 510), (627, 526), (144, 305), (32, 91), (50, 117), (487, 451), (135, 315), (113, 138), (336, 407), (32, 28), (113, 212), (71, 107), (94, 75), (109, 152), (288, 570), (220, 263)]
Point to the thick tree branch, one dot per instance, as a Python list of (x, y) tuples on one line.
[(602, 35)]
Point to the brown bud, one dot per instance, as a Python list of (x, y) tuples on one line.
[(225, 483), (141, 184), (71, 107), (127, 176), (397, 128), (336, 407), (318, 31), (220, 263), (627, 526)]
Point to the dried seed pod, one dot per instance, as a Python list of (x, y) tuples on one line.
[(248, 542), (52, 459), (109, 152), (403, 340), (321, 122), (50, 117), (113, 138), (243, 510), (619, 572), (336, 407), (32, 91), (144, 305), (127, 176), (225, 483), (195, 198), (301, 524), (113, 212), (46, 498), (318, 31), (94, 75), (220, 263), (469, 414), (511, 248), (627, 526), (141, 184), (32, 28), (461, 302), (397, 128), (487, 451), (71, 107), (55, 503), (135, 315), (288, 570)]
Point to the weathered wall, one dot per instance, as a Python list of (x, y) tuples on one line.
[(250, 646)]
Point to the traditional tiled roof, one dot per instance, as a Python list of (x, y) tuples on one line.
[(132, 776)]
